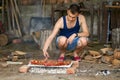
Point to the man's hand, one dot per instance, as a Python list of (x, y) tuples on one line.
[(45, 53), (70, 39)]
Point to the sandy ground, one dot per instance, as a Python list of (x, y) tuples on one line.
[(86, 70)]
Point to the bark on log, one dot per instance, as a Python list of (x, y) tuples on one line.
[(3, 39)]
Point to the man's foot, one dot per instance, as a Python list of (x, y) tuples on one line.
[(61, 58), (77, 58)]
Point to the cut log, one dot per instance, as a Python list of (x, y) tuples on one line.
[(89, 58), (18, 53), (3, 39), (104, 50), (94, 53), (116, 62), (117, 54), (106, 59)]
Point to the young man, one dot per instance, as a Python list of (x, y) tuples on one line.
[(68, 36)]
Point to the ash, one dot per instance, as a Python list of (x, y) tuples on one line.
[(49, 70)]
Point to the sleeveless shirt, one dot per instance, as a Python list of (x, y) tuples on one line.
[(68, 32)]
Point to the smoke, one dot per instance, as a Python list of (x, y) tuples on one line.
[(38, 23)]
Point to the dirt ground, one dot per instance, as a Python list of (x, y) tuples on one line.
[(86, 70)]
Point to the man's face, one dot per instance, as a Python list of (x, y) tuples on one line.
[(71, 17)]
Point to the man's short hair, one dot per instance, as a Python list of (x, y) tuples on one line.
[(74, 8)]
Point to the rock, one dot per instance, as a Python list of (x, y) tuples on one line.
[(4, 65), (24, 69)]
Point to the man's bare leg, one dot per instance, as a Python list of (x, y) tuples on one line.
[(62, 44), (81, 44)]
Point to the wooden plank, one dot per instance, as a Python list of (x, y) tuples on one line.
[(108, 6), (12, 62), (16, 18), (92, 21), (3, 11), (104, 24), (16, 7), (8, 15), (116, 38)]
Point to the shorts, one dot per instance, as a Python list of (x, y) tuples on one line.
[(72, 46)]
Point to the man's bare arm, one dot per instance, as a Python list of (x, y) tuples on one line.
[(83, 24), (52, 35)]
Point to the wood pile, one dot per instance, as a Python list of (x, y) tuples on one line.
[(15, 56), (104, 55)]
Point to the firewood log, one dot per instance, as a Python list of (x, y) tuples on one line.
[(106, 59), (20, 52), (89, 57), (117, 54), (94, 53), (116, 62), (3, 39), (104, 50)]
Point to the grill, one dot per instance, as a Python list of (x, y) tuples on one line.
[(49, 69)]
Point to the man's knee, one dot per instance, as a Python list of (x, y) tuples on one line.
[(62, 41), (82, 41)]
